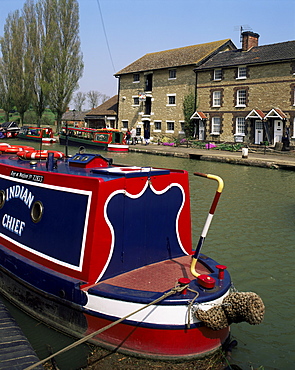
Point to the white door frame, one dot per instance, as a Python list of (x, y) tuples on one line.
[(201, 130), (258, 124), (277, 130)]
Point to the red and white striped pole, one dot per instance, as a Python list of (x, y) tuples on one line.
[(208, 220)]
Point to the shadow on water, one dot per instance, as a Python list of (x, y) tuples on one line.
[(253, 234)]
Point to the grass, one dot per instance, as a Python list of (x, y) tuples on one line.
[(30, 118)]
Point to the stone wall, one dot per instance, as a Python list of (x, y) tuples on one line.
[(268, 86), (161, 111)]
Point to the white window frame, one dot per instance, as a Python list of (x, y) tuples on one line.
[(168, 100), (138, 80), (241, 98), (215, 125), (242, 73), (169, 131), (240, 126), (156, 123), (216, 100), (181, 124), (217, 74), (125, 124), (172, 74), (134, 103)]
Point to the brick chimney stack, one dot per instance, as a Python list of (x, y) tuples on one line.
[(249, 40)]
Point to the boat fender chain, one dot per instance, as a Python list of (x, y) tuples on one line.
[(176, 289), (236, 307)]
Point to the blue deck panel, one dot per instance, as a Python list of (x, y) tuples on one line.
[(15, 350)]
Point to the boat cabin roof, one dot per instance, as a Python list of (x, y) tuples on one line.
[(86, 164), (93, 130)]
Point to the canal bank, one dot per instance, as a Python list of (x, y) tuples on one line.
[(15, 350), (273, 159)]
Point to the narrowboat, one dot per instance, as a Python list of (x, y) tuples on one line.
[(44, 134), (109, 139), (104, 252), (9, 129)]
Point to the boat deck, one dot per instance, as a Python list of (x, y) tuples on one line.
[(63, 168), (15, 350), (157, 277)]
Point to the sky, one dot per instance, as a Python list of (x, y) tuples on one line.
[(115, 33)]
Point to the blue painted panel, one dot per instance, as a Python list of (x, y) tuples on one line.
[(144, 228), (58, 234), (42, 278)]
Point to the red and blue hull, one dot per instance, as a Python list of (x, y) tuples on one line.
[(85, 243)]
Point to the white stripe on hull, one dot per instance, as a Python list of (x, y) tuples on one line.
[(155, 314)]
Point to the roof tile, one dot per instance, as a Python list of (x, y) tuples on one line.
[(175, 57), (108, 108), (258, 54)]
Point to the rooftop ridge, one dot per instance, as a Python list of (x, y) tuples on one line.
[(186, 47)]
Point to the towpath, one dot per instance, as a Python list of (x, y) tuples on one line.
[(270, 159)]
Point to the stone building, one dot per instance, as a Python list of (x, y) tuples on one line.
[(152, 89), (73, 118), (105, 115), (247, 94)]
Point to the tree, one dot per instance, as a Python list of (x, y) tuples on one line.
[(6, 69), (6, 101), (79, 100), (21, 63), (64, 63), (104, 98), (93, 98), (37, 40), (188, 110)]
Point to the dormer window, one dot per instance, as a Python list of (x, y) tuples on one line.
[(217, 74), (242, 72)]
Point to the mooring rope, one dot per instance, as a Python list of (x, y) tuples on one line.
[(176, 289)]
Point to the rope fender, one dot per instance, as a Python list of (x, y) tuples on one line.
[(236, 307)]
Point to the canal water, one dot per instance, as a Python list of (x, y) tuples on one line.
[(253, 234)]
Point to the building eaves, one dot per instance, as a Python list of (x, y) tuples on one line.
[(189, 55), (108, 108), (257, 55)]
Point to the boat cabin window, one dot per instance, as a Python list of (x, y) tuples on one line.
[(117, 137)]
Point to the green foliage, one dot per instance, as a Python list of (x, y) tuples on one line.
[(229, 147), (31, 118), (41, 60), (198, 144), (188, 111)]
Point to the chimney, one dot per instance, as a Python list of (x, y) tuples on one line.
[(249, 40)]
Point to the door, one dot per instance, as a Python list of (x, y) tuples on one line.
[(201, 130), (278, 130), (258, 132)]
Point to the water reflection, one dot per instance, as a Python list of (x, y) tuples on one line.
[(253, 234)]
